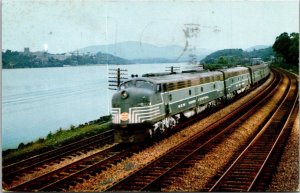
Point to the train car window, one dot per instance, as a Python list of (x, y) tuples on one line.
[(144, 84), (190, 92), (170, 97)]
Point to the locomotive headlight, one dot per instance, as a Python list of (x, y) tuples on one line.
[(124, 94)]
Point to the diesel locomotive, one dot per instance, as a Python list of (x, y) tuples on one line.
[(147, 106)]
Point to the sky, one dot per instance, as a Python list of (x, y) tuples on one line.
[(60, 26)]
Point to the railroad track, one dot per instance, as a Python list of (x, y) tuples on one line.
[(75, 172), (252, 170), (160, 172), (13, 171)]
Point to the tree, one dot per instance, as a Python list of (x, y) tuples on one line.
[(287, 47), (222, 60), (294, 48)]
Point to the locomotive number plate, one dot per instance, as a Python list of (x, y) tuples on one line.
[(124, 116)]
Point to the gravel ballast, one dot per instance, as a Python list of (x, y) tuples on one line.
[(48, 168), (196, 177), (286, 178)]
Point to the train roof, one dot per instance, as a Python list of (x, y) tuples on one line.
[(178, 76), (255, 67), (234, 69)]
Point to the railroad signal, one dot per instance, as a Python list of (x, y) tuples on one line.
[(172, 69), (119, 75)]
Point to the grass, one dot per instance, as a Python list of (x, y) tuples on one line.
[(291, 68), (59, 138)]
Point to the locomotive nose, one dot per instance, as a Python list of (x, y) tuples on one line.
[(132, 97)]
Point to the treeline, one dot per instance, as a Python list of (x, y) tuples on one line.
[(99, 58), (284, 53), (237, 56), (224, 56), (286, 47), (14, 59)]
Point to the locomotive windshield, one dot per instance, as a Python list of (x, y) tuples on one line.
[(138, 84), (126, 85), (144, 84)]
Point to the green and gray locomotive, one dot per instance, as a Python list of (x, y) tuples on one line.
[(149, 105)]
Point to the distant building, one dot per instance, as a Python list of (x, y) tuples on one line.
[(26, 51), (255, 61), (39, 54), (59, 56)]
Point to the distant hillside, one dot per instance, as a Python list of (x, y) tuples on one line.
[(264, 54), (223, 53), (132, 50), (99, 58), (257, 47), (237, 55), (14, 59)]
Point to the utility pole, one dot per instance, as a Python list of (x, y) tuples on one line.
[(117, 79)]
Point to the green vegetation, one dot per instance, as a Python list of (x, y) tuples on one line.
[(226, 55), (99, 58), (14, 59), (286, 48), (11, 59), (234, 57), (60, 137)]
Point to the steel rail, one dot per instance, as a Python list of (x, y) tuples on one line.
[(255, 140), (12, 171)]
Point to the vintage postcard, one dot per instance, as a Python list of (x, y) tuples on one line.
[(145, 95)]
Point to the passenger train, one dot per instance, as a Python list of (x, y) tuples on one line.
[(147, 106)]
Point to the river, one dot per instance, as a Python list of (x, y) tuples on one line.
[(36, 101)]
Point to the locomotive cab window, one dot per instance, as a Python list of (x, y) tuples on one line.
[(126, 84), (164, 87), (144, 84), (158, 88)]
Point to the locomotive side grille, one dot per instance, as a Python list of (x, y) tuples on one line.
[(115, 113), (181, 84), (189, 83), (140, 114), (171, 86)]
